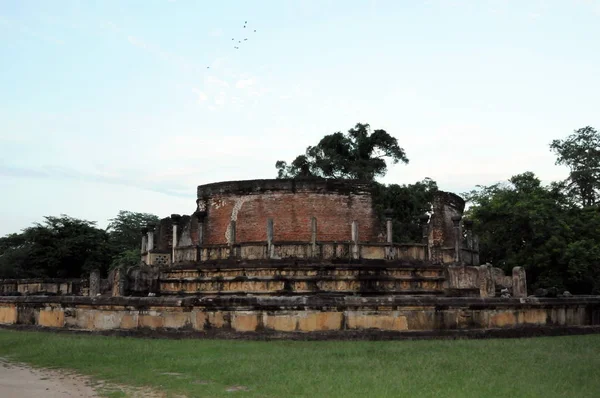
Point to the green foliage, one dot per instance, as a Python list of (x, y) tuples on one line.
[(60, 247), (358, 154), (408, 203), (67, 247), (581, 153), (125, 237), (526, 224)]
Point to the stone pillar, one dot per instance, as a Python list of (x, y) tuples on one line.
[(313, 237), (119, 282), (423, 221), (355, 248), (150, 228), (519, 282), (200, 215), (175, 220), (457, 235), (469, 227), (144, 248), (94, 283), (487, 286), (270, 247), (389, 234)]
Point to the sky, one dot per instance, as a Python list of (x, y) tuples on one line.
[(130, 105)]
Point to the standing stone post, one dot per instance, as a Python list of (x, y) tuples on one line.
[(200, 216), (270, 247), (144, 248), (519, 282), (424, 222), (487, 286), (119, 282), (457, 237), (150, 229), (389, 250), (313, 237), (175, 219), (355, 248), (94, 283), (469, 227)]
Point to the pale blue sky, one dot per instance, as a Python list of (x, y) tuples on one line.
[(109, 105)]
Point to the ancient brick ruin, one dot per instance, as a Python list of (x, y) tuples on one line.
[(313, 236), (300, 257)]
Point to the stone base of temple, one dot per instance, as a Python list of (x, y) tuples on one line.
[(323, 316)]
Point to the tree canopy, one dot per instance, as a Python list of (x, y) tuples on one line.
[(581, 153), (66, 247), (358, 154)]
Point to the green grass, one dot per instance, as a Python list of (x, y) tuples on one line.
[(538, 367)]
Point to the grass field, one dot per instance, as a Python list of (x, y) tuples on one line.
[(539, 367)]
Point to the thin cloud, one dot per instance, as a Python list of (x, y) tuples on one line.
[(202, 97), (245, 83)]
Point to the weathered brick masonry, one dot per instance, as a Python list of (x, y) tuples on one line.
[(291, 204)]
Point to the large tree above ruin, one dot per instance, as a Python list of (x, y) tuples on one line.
[(357, 154)]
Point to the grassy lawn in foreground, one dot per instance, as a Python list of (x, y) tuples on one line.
[(539, 367)]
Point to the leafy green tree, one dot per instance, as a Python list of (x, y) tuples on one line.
[(526, 224), (124, 229), (581, 153), (124, 236), (408, 203), (358, 154), (62, 247)]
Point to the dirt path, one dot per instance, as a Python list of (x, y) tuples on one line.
[(20, 381)]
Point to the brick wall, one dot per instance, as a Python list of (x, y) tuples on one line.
[(291, 207)]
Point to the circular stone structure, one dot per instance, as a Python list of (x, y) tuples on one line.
[(294, 206)]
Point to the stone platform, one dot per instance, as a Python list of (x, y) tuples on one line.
[(339, 316), (303, 278)]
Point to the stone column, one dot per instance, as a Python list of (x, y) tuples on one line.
[(144, 248), (270, 248), (457, 235), (119, 282), (487, 286), (94, 283), (423, 221), (200, 215), (313, 236), (469, 227), (388, 213), (175, 220), (355, 248), (519, 282), (150, 228)]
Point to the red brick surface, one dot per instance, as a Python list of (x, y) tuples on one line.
[(291, 213)]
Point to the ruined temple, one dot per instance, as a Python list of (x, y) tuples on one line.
[(309, 258), (317, 236)]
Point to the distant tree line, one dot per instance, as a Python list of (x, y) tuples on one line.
[(66, 247)]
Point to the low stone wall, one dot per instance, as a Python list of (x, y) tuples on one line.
[(37, 286), (296, 278), (303, 314)]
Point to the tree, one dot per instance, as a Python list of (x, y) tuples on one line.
[(358, 154), (124, 236), (523, 223), (61, 247), (581, 153), (408, 203)]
